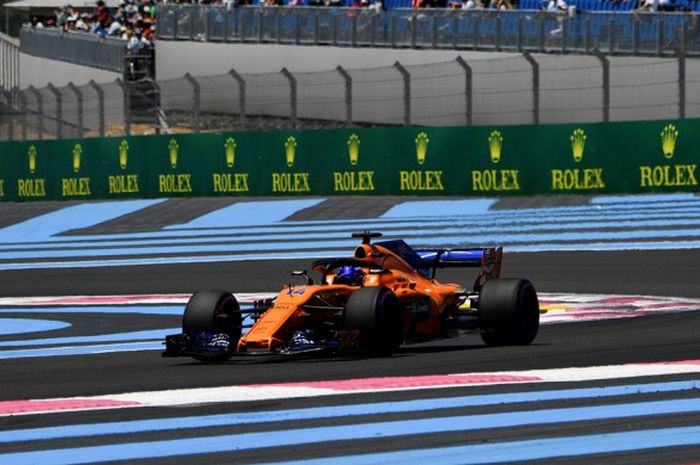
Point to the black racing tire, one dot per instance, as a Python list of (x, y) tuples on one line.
[(213, 311), (375, 312), (509, 312)]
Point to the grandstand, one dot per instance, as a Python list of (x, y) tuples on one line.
[(576, 66)]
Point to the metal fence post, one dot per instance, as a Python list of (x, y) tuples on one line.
[(39, 111), (605, 64), (278, 27), (317, 26), (535, 87), (100, 105), (10, 113), (660, 37), (497, 39), (564, 32), (433, 32), (193, 14), (2, 111), (406, 92), (261, 24), (588, 42), (79, 98), (353, 30), (468, 85), (682, 35), (297, 28), (336, 26), (196, 99), (348, 95), (681, 85), (59, 110), (127, 105), (159, 120), (414, 28), (22, 111), (227, 13), (207, 21), (176, 14), (292, 95), (241, 95), (241, 25), (455, 28)]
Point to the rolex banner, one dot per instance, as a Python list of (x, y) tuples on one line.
[(652, 156)]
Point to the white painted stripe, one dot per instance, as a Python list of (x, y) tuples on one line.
[(134, 299), (181, 397)]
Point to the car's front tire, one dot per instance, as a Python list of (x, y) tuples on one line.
[(375, 312), (213, 312)]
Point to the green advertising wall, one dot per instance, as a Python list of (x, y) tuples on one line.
[(651, 156)]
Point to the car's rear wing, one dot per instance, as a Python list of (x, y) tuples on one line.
[(488, 259)]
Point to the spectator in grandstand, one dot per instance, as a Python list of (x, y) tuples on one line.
[(648, 5), (35, 22), (463, 5), (137, 15), (558, 6)]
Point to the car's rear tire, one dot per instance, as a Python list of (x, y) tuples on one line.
[(375, 312), (217, 312), (509, 312)]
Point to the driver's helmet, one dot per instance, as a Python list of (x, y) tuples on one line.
[(350, 275)]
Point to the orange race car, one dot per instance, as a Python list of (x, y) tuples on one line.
[(383, 296)]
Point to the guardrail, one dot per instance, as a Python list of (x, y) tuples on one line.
[(81, 48), (635, 33)]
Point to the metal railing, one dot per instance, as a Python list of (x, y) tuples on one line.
[(515, 30), (9, 62), (515, 89), (81, 48)]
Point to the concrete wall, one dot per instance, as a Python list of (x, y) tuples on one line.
[(38, 72), (175, 58)]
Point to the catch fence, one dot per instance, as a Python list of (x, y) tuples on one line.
[(511, 89)]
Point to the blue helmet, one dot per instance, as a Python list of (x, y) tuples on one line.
[(349, 275)]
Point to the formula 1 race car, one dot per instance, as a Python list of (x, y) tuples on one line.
[(371, 303)]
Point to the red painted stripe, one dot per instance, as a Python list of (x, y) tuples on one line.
[(678, 362), (108, 300), (10, 407), (399, 382)]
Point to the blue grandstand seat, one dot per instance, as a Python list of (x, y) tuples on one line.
[(529, 4)]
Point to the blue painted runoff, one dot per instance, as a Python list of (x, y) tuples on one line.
[(250, 213), (427, 208), (520, 451), (75, 217), (480, 453), (80, 350), (421, 405), (29, 325), (158, 334)]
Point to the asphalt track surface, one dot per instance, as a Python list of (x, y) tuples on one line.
[(659, 338)]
